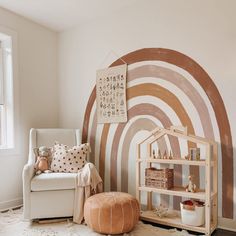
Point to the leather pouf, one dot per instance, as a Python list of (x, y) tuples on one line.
[(111, 212)]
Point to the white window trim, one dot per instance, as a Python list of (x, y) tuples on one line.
[(16, 103)]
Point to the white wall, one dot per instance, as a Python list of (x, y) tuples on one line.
[(37, 100), (203, 30)]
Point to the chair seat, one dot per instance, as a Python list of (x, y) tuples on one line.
[(53, 181)]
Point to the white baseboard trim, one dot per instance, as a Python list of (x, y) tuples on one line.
[(11, 204), (227, 224)]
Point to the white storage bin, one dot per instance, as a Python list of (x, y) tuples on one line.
[(192, 215)]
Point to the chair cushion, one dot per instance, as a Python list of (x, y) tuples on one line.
[(53, 181)]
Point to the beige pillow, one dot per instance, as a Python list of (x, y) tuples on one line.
[(65, 159)]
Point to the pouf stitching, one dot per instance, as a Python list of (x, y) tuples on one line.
[(99, 213), (130, 202), (123, 216)]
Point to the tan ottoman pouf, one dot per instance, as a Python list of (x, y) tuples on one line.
[(111, 212)]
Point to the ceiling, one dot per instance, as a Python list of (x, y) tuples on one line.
[(60, 15)]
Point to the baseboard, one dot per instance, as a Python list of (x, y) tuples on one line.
[(227, 224), (11, 204)]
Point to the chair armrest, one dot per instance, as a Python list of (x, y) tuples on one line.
[(28, 172), (27, 175)]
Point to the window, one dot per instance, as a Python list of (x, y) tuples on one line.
[(6, 93)]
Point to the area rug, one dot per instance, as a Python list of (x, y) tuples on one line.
[(11, 224)]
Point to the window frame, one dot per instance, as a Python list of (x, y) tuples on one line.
[(14, 147)]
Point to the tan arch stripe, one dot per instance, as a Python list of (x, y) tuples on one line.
[(102, 152)]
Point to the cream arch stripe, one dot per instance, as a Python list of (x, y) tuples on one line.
[(137, 110), (92, 137), (188, 64), (136, 126), (183, 84), (143, 109)]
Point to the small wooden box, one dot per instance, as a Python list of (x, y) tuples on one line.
[(159, 178)]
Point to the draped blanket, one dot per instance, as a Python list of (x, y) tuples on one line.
[(88, 183)]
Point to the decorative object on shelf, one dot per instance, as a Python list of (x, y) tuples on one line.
[(159, 178), (194, 154), (111, 94), (153, 154), (192, 212), (187, 157), (191, 187), (161, 211), (159, 154), (170, 156), (165, 155)]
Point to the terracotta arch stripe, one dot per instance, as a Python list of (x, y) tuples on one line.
[(198, 73)]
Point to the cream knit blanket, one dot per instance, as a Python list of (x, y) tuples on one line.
[(88, 183)]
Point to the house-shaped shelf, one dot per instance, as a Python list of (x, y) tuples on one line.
[(208, 195)]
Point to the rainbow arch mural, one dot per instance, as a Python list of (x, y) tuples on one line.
[(164, 87)]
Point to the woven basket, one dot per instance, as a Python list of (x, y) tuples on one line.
[(159, 178)]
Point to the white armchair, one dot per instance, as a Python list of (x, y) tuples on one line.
[(48, 194)]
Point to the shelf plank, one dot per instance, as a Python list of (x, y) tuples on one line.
[(176, 191), (175, 161), (173, 221)]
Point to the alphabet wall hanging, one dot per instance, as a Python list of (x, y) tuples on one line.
[(111, 94)]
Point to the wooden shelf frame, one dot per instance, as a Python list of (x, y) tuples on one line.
[(210, 195), (174, 221), (178, 191), (176, 161)]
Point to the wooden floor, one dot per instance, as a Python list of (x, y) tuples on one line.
[(217, 232)]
